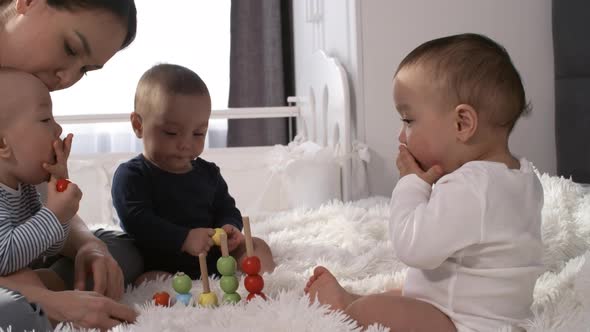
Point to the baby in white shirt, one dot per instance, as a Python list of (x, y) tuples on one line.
[(466, 213)]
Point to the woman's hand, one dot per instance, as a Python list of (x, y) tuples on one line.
[(406, 163), (86, 309), (94, 259), (234, 237), (198, 241)]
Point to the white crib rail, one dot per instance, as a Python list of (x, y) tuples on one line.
[(229, 113)]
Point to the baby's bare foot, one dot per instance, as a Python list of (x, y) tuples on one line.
[(323, 287)]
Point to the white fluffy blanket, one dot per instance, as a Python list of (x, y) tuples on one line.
[(351, 239)]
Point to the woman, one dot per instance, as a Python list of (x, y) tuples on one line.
[(59, 41)]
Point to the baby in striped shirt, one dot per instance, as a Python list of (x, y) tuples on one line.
[(31, 152)]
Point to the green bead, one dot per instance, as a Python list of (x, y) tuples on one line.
[(182, 283), (231, 298), (226, 266), (229, 284)]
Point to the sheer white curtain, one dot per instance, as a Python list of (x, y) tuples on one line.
[(192, 33)]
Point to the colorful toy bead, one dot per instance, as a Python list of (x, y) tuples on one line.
[(231, 298), (254, 283), (207, 298), (184, 298), (182, 284), (61, 185), (251, 266), (253, 295), (229, 284), (162, 299), (226, 265), (217, 236)]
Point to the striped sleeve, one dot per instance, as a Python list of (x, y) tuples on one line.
[(25, 236)]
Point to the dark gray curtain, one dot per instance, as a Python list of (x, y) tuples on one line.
[(571, 40), (261, 68)]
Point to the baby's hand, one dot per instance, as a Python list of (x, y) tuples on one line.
[(234, 236), (63, 204), (198, 241), (62, 153), (406, 163)]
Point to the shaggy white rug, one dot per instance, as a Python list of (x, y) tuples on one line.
[(351, 240)]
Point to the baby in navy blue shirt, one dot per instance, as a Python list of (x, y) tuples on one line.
[(167, 198)]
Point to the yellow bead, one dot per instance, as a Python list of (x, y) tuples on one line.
[(217, 236), (208, 299)]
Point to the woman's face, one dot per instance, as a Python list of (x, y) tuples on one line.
[(59, 46)]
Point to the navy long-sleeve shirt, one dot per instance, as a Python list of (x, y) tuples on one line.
[(158, 209)]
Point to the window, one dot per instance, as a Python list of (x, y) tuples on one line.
[(192, 33)]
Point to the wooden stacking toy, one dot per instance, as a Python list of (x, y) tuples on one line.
[(251, 266), (226, 265), (207, 298), (182, 284)]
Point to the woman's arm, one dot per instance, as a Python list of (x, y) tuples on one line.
[(83, 309), (91, 254), (80, 236)]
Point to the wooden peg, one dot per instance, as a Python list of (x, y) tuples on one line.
[(248, 237), (204, 273), (224, 248)]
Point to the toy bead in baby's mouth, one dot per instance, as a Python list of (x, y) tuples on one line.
[(62, 185)]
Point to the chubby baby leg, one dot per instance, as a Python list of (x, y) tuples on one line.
[(323, 287), (399, 313)]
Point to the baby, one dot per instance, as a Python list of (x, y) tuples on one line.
[(466, 213), (31, 152), (168, 198)]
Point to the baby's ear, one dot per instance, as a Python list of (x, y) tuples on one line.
[(136, 124), (466, 122), (22, 6), (5, 150)]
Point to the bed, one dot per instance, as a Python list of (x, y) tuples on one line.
[(306, 227)]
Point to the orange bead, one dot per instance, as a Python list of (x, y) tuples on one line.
[(162, 299)]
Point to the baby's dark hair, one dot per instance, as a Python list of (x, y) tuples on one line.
[(167, 79), (476, 71)]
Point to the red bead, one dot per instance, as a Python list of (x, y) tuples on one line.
[(162, 299), (61, 185), (254, 283), (251, 265), (253, 295)]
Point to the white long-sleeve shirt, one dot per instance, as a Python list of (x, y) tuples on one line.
[(472, 241), (27, 229)]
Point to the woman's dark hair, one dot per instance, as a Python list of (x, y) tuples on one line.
[(123, 9)]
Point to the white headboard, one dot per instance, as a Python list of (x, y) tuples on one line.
[(325, 110)]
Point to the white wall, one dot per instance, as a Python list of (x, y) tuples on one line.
[(370, 37), (391, 29)]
